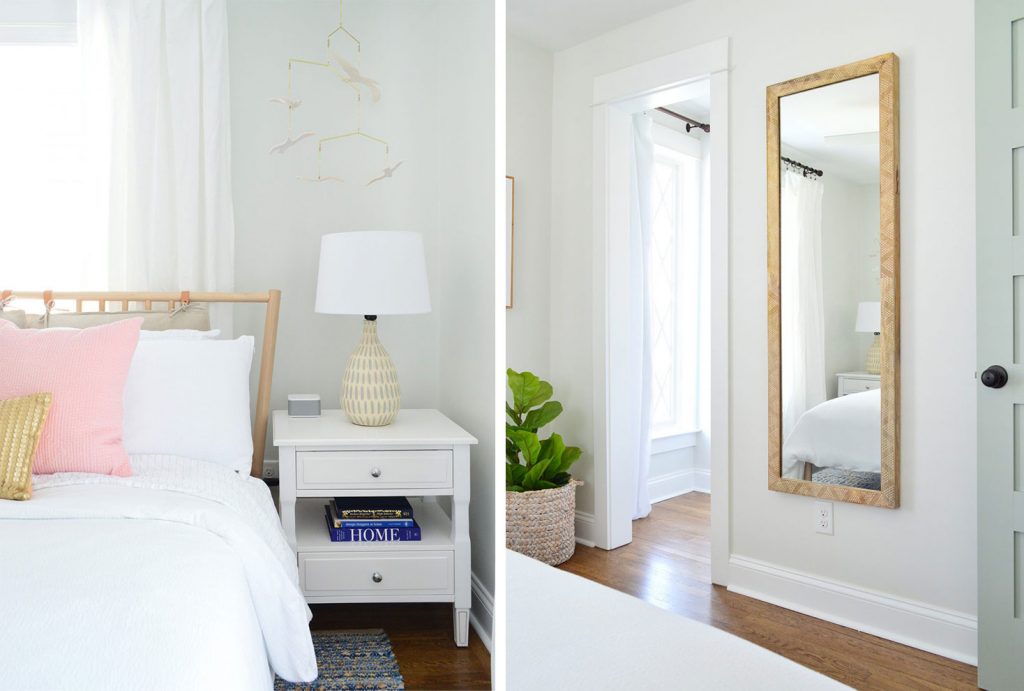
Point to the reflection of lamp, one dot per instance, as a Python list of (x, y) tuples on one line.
[(869, 320), (371, 273)]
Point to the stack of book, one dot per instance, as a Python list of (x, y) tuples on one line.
[(371, 519)]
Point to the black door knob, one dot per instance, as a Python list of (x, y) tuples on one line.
[(995, 377)]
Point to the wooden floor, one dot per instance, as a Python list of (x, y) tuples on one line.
[(668, 565), (421, 636)]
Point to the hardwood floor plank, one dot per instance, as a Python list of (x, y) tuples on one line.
[(668, 564)]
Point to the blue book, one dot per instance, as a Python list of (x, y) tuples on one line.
[(358, 523), (371, 534)]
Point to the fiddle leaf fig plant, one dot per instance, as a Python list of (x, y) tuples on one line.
[(530, 462)]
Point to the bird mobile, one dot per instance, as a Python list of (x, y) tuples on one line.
[(350, 74)]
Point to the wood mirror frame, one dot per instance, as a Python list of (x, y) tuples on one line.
[(887, 68)]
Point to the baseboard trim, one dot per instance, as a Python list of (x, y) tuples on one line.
[(677, 483), (585, 529), (481, 613), (934, 629)]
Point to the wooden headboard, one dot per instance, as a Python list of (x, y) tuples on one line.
[(168, 302)]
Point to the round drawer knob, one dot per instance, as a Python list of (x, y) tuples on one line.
[(377, 578), (375, 472)]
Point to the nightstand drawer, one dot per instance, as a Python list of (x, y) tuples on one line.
[(406, 470), (376, 573), (848, 386)]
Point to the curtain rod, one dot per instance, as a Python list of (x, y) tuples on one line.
[(802, 167), (690, 122)]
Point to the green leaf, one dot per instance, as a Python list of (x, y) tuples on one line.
[(544, 392), (511, 452), (542, 416), (569, 456), (515, 488), (525, 386), (560, 479), (513, 415), (535, 474), (527, 443), (557, 447), (544, 484), (514, 474)]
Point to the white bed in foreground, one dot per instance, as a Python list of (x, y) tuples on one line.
[(178, 577), (567, 633)]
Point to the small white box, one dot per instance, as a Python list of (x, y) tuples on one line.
[(303, 405)]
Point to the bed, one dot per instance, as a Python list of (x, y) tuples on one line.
[(843, 433), (568, 633), (175, 577)]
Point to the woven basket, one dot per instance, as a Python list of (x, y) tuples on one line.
[(542, 524)]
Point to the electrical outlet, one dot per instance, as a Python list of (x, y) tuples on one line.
[(823, 517), (270, 470)]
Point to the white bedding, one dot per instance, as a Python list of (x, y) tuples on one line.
[(178, 577), (568, 633), (845, 432)]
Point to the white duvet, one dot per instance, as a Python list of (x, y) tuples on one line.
[(845, 432), (178, 577)]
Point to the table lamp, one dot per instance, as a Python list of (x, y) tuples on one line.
[(869, 320), (371, 273)]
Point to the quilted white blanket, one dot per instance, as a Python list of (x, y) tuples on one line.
[(178, 577)]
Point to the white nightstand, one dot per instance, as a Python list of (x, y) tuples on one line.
[(855, 382), (422, 455)]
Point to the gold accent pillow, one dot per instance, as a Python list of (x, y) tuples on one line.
[(21, 424)]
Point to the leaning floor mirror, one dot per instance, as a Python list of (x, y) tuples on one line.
[(833, 284)]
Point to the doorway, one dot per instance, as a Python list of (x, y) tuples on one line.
[(674, 79)]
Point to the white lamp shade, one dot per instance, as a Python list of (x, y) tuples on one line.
[(371, 272), (869, 317)]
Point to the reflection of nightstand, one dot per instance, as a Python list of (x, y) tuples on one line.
[(855, 382)]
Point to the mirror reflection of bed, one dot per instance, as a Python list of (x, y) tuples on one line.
[(829, 247)]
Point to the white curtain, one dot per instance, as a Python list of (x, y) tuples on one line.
[(641, 212), (156, 74), (803, 314)]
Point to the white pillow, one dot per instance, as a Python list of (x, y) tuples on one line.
[(190, 398), (178, 335)]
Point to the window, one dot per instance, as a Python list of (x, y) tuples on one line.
[(675, 284), (50, 233)]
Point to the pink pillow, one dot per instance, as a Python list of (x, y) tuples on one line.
[(85, 370)]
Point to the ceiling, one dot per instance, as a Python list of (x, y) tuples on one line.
[(560, 24), (834, 128)]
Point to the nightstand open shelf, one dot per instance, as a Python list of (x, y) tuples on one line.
[(311, 530)]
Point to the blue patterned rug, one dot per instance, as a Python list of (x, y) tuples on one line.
[(848, 478), (351, 661)]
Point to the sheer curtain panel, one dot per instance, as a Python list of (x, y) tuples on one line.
[(641, 219), (156, 79), (803, 312)]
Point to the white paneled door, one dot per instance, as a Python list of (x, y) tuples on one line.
[(999, 68)]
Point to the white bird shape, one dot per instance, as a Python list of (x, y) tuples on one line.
[(290, 142), (388, 172), (354, 75), (291, 103)]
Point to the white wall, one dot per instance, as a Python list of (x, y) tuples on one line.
[(849, 259), (528, 149), (279, 219), (435, 61), (467, 252), (925, 550)]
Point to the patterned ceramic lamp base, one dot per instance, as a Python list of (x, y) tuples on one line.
[(873, 365), (369, 390)]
